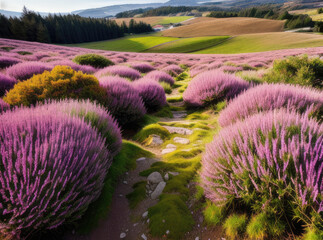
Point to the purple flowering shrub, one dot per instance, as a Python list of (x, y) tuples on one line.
[(173, 70), (122, 71), (93, 114), (160, 76), (270, 161), (142, 67), (6, 83), (52, 167), (151, 93), (122, 100), (211, 87), (8, 61), (3, 105), (266, 97), (25, 70)]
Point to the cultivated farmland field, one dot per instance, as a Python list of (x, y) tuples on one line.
[(225, 27), (156, 20), (265, 42)]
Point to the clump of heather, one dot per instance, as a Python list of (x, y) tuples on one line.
[(160, 76), (53, 167), (212, 87), (231, 69), (3, 106), (142, 67), (6, 83), (8, 61), (122, 100), (173, 70), (25, 70), (272, 163), (91, 113), (151, 93), (119, 70), (61, 82), (272, 96)]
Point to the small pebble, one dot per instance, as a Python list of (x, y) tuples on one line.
[(135, 224), (125, 182), (141, 159), (120, 195), (163, 220), (127, 230), (198, 225), (197, 238), (145, 214), (167, 232), (123, 235), (144, 236), (148, 220)]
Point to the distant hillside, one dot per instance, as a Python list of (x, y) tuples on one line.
[(10, 13)]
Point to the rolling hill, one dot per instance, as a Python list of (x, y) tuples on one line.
[(225, 26), (155, 20)]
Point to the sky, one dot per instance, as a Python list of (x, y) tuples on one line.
[(64, 5)]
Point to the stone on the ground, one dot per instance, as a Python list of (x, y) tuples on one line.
[(123, 235), (145, 214), (171, 146), (141, 159), (179, 130), (167, 232), (158, 191), (155, 140), (197, 238), (181, 140), (179, 114), (155, 177), (166, 177), (143, 236), (174, 173), (168, 150)]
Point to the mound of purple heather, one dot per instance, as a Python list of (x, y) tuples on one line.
[(52, 167), (25, 70), (119, 70), (8, 61), (122, 100), (272, 96), (3, 106), (160, 76), (151, 93), (272, 155), (92, 113), (6, 83), (212, 87), (142, 67)]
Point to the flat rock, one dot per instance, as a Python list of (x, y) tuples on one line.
[(174, 173), (143, 236), (179, 114), (155, 140), (168, 150), (171, 146), (145, 214), (141, 159), (123, 235), (179, 130), (159, 189), (155, 178), (166, 177), (181, 140)]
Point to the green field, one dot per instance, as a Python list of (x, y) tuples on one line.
[(188, 45), (209, 45), (137, 43), (169, 20), (265, 42)]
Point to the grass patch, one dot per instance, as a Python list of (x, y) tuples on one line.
[(135, 43), (266, 42), (177, 98), (169, 20), (7, 49), (122, 163), (164, 112), (235, 225), (167, 87), (172, 214), (213, 214), (188, 45), (157, 129), (138, 194)]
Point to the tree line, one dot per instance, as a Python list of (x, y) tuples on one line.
[(65, 29)]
